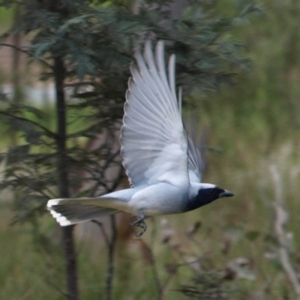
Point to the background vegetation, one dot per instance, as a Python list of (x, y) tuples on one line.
[(251, 125)]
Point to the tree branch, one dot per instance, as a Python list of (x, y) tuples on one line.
[(49, 132), (105, 236), (111, 245), (281, 217), (158, 284), (26, 52), (111, 265)]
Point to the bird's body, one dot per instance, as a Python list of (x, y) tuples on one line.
[(162, 163)]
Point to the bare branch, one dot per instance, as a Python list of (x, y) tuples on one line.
[(111, 245), (281, 217), (33, 187), (158, 283), (51, 284), (105, 236), (49, 132), (111, 265), (26, 52)]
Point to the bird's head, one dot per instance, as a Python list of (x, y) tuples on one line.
[(206, 193)]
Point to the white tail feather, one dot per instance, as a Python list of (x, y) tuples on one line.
[(77, 210)]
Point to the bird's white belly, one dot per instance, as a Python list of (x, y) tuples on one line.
[(159, 199)]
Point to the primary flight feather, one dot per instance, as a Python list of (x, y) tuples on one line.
[(163, 165)]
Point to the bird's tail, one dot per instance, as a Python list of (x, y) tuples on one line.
[(71, 211)]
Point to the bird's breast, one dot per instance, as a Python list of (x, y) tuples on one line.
[(159, 199)]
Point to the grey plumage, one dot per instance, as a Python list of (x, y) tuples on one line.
[(163, 165)]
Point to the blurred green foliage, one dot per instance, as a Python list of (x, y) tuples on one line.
[(6, 17), (265, 102)]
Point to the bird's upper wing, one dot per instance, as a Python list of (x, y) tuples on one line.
[(153, 139), (195, 162)]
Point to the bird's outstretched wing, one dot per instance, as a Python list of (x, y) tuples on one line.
[(195, 162), (153, 139)]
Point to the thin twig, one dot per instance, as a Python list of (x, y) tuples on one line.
[(281, 217), (49, 132), (111, 265), (153, 264), (105, 236), (33, 187), (51, 284), (26, 52), (175, 268), (116, 182), (111, 245)]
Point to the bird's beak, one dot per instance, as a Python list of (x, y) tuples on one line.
[(225, 194)]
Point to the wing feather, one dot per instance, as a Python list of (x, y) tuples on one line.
[(195, 162), (153, 139)]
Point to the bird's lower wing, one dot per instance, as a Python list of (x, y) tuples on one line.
[(76, 210)]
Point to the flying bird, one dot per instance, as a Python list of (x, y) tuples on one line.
[(162, 164)]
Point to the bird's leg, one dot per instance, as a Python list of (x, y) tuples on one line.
[(140, 222)]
